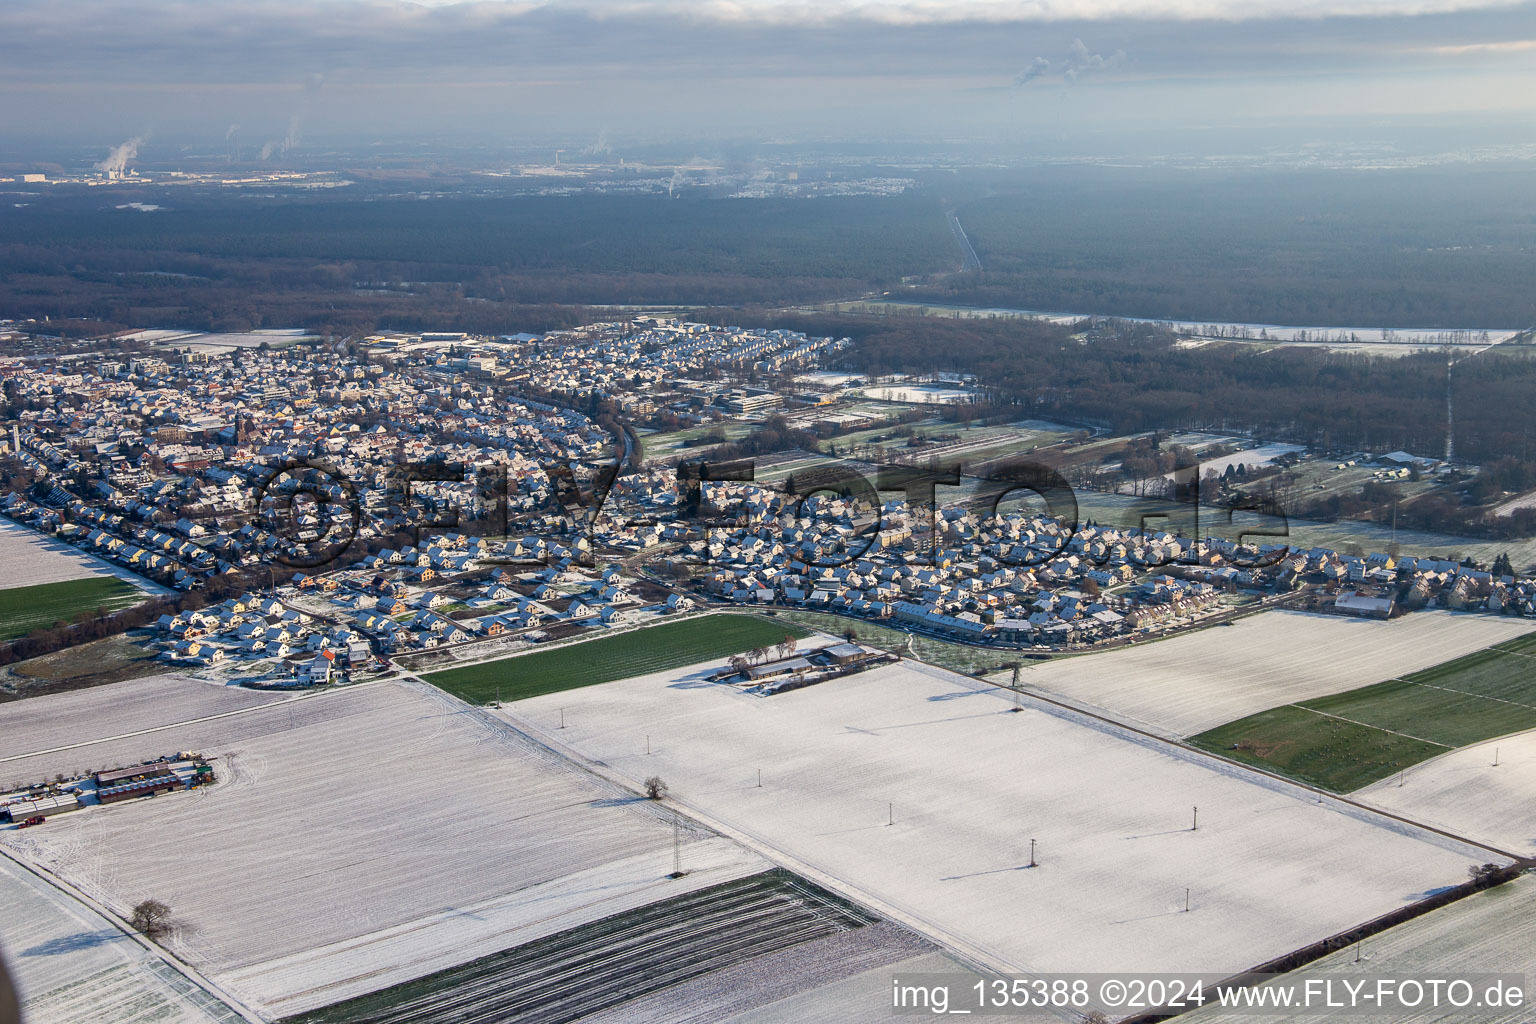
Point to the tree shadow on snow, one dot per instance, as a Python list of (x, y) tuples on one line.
[(696, 680), (71, 943)]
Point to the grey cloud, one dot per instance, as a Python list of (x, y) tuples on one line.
[(124, 63)]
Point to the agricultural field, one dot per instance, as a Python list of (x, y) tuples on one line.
[(379, 833), (1196, 681), (76, 718), (74, 966), (108, 660), (23, 609), (1486, 791), (1351, 739), (27, 558), (757, 926), (917, 793), (615, 656), (863, 998), (1340, 535), (1487, 933), (845, 977), (769, 470), (676, 444)]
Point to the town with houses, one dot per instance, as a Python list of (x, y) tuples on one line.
[(200, 470)]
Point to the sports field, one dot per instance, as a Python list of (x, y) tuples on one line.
[(23, 609), (1351, 739), (638, 652)]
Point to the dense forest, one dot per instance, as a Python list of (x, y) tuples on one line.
[(1419, 248), (1439, 247), (219, 261)]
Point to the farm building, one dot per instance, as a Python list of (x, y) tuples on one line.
[(118, 776), (139, 787), (845, 654), (1355, 603), (778, 668), (42, 806)]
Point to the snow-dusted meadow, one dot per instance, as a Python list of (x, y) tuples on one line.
[(918, 792), (1197, 681), (918, 394), (27, 558), (75, 718), (1486, 933), (361, 838), (73, 966), (1467, 792)]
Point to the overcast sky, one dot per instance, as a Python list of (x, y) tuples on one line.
[(299, 69)]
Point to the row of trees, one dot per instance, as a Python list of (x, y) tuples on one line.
[(779, 651)]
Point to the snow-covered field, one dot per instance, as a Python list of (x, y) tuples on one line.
[(1197, 681), (1513, 505), (77, 718), (1465, 791), (361, 838), (1363, 338), (203, 342), (917, 792), (73, 966), (1487, 933), (1251, 457), (919, 394), (864, 998), (27, 558)]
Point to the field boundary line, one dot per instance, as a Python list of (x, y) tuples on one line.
[(190, 721), (176, 963), (1368, 725), (1464, 693), (1411, 769), (977, 955), (1244, 766)]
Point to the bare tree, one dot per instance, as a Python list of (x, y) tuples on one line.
[(655, 788), (153, 918)]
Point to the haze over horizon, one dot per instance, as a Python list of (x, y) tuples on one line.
[(275, 74)]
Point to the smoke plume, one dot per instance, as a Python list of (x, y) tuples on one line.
[(117, 161), (1077, 63), (295, 133), (600, 147), (1037, 67)]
